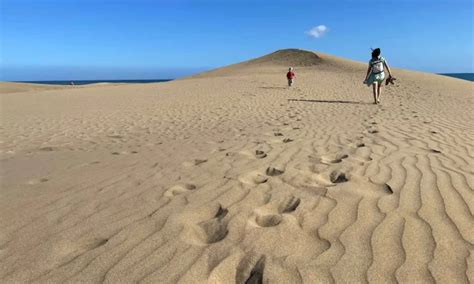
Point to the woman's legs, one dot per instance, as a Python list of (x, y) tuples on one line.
[(379, 91), (374, 88)]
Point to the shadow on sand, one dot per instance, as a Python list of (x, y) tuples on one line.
[(274, 88), (328, 102)]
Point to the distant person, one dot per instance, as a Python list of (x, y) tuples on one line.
[(72, 83), (376, 74), (290, 76)]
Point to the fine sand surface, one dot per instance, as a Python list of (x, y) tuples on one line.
[(230, 176)]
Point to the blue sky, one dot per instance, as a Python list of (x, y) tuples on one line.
[(140, 39)]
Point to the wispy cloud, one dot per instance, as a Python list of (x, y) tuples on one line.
[(318, 31)]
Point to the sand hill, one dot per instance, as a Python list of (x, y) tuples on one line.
[(274, 62), (231, 177)]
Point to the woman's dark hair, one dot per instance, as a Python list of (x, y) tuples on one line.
[(376, 53)]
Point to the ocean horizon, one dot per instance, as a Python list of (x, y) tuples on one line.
[(463, 76), (86, 82)]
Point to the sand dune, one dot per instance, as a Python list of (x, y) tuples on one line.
[(12, 87), (231, 177)]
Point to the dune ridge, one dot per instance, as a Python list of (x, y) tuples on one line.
[(267, 63), (232, 177)]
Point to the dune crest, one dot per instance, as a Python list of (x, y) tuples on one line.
[(289, 57), (267, 63)]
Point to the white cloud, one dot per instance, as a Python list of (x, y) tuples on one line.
[(318, 31)]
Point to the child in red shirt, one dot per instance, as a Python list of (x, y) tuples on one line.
[(290, 76)]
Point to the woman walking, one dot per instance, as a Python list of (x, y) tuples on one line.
[(375, 73)]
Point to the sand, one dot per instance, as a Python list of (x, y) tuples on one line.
[(230, 176)]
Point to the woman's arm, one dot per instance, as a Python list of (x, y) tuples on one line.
[(388, 68), (368, 72)]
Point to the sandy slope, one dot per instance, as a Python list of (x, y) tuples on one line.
[(161, 183)]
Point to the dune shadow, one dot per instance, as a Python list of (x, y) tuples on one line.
[(274, 88), (329, 102)]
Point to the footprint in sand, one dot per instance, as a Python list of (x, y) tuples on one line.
[(212, 230), (253, 178), (289, 204), (334, 159), (278, 134), (271, 171), (199, 161), (375, 189), (338, 177), (361, 185), (287, 140), (256, 274), (268, 220), (271, 214), (373, 131), (435, 151), (36, 181), (215, 229), (179, 189), (260, 154), (260, 179), (250, 272), (387, 188)]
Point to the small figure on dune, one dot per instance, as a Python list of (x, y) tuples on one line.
[(376, 75), (290, 76)]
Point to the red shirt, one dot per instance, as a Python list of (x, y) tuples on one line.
[(290, 75)]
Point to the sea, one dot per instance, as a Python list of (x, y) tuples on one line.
[(464, 76), (86, 82)]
